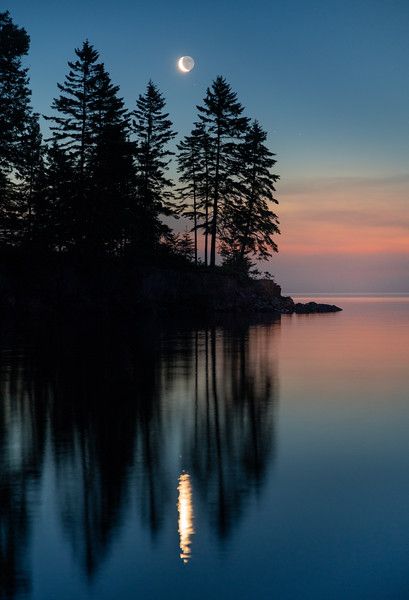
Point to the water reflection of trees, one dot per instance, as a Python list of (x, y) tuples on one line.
[(22, 437), (232, 440), (92, 425), (108, 401)]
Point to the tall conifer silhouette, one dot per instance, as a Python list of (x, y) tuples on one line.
[(221, 114), (195, 166), (30, 177), (14, 90), (112, 169), (153, 131), (55, 216), (73, 129), (189, 166), (75, 107), (249, 224), (15, 112), (91, 126)]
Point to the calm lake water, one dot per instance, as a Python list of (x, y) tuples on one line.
[(247, 460)]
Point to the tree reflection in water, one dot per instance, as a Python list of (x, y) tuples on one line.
[(110, 401), (22, 437), (232, 440)]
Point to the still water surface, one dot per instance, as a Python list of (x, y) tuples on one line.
[(245, 460)]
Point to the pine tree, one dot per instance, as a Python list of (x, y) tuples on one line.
[(249, 223), (14, 116), (92, 126), (14, 90), (221, 114), (205, 181), (10, 222), (189, 165), (185, 246), (153, 132), (194, 165), (55, 218), (74, 123), (30, 175), (73, 130), (112, 168)]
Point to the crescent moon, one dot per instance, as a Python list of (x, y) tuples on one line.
[(182, 66)]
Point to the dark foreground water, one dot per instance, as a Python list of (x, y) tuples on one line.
[(249, 460)]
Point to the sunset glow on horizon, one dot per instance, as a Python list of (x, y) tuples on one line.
[(346, 217), (356, 227)]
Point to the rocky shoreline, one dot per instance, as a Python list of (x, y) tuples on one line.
[(218, 292), (285, 305), (313, 307), (119, 287)]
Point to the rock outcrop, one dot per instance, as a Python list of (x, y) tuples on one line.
[(117, 286), (313, 307)]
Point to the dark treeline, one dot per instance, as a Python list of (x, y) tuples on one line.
[(99, 184)]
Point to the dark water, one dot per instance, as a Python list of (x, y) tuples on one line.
[(249, 460)]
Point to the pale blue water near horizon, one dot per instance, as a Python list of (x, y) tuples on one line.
[(243, 459)]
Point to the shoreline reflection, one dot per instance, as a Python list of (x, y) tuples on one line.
[(116, 406)]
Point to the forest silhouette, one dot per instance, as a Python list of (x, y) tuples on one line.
[(97, 185)]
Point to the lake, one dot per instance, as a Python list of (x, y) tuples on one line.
[(236, 459)]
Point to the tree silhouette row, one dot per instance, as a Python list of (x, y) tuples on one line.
[(99, 184)]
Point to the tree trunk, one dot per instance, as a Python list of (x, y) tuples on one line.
[(207, 212), (206, 233), (215, 205), (195, 217)]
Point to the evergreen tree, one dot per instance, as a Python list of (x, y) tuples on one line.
[(205, 181), (14, 115), (74, 130), (189, 167), (10, 221), (153, 132), (91, 127), (112, 168), (221, 114), (14, 90), (186, 247), (55, 217), (194, 164), (73, 127), (30, 175), (249, 223)]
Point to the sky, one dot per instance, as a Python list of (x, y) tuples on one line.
[(328, 80)]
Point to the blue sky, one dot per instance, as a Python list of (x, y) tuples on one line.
[(329, 80)]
